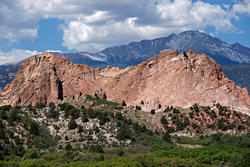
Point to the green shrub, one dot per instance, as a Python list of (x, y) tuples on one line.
[(3, 114), (68, 147), (34, 128), (40, 105), (213, 114), (123, 133), (14, 115), (119, 107), (52, 105), (138, 107), (96, 96), (196, 108), (89, 97), (240, 127), (5, 108), (104, 119), (85, 118), (163, 120), (167, 109), (176, 111), (119, 116), (186, 121), (120, 152), (191, 114), (72, 124), (80, 129), (166, 137), (34, 163), (152, 111), (32, 153), (52, 112), (96, 148), (195, 126)]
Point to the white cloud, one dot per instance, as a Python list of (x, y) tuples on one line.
[(53, 51), (96, 17), (198, 15), (91, 25), (242, 8), (168, 17), (16, 22), (80, 36), (16, 55), (14, 34)]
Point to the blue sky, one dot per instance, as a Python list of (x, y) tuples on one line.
[(29, 27)]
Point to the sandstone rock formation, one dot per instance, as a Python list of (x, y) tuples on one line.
[(167, 79)]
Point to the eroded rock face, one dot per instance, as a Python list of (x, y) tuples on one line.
[(166, 79)]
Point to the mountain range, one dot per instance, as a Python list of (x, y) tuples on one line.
[(168, 79), (222, 52)]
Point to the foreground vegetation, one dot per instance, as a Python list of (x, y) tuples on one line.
[(218, 151), (103, 133)]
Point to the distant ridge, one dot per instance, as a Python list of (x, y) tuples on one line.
[(224, 53)]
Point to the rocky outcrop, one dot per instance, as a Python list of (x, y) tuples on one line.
[(166, 79)]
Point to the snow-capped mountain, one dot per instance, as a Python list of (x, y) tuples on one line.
[(224, 53)]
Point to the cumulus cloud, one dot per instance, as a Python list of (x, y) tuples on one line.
[(93, 25), (16, 55), (81, 36), (166, 17), (197, 15), (16, 21), (242, 8)]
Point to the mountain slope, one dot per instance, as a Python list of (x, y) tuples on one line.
[(239, 74), (134, 53), (7, 74), (167, 79)]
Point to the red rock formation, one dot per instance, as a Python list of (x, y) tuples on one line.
[(167, 79)]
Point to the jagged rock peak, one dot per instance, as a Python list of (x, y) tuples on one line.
[(167, 79)]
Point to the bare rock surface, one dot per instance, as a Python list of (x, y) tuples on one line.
[(167, 79)]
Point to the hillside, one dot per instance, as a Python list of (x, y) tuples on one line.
[(97, 132)]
